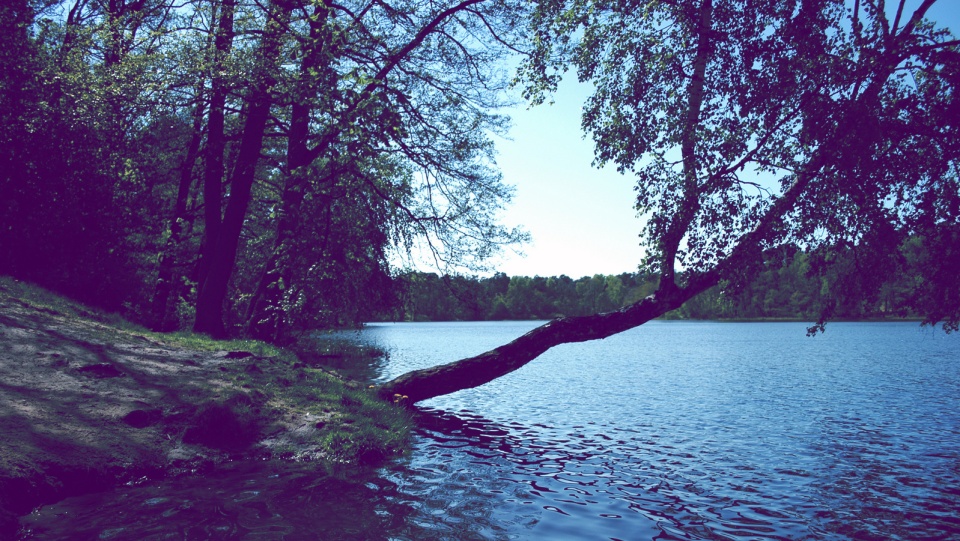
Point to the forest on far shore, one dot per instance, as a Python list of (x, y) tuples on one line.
[(789, 286)]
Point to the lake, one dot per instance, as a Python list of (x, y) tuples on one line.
[(674, 430)]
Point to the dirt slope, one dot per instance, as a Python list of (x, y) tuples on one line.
[(84, 405)]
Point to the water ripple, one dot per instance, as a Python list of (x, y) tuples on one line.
[(675, 431)]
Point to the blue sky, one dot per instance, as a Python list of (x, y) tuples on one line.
[(581, 219)]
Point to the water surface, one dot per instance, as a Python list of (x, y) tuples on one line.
[(675, 430)]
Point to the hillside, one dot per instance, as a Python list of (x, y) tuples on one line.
[(85, 404)]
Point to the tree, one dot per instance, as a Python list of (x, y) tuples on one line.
[(221, 254), (390, 100), (77, 210), (749, 125), (253, 166)]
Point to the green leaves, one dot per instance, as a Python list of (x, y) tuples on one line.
[(811, 123)]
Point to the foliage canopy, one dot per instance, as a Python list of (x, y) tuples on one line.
[(253, 164), (751, 125)]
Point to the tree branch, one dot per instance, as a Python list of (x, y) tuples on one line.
[(380, 78)]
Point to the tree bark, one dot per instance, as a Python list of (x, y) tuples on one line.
[(216, 140), (475, 371), (223, 256), (265, 314), (680, 223)]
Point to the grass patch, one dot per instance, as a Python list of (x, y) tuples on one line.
[(271, 387), (202, 342), (353, 425), (350, 423), (37, 297)]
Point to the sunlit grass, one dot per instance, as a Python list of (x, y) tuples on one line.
[(203, 342)]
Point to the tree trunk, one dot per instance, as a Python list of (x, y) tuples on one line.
[(223, 255), (222, 258), (472, 372), (475, 371), (835, 148), (216, 140), (486, 367), (265, 314)]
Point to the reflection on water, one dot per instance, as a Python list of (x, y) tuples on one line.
[(238, 501), (676, 431)]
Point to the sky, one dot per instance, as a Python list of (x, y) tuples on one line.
[(581, 220)]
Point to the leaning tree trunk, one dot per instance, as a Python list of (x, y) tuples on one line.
[(467, 373), (850, 133), (486, 367)]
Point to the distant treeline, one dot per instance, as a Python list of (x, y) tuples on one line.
[(787, 287)]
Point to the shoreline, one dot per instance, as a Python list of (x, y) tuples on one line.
[(716, 320)]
